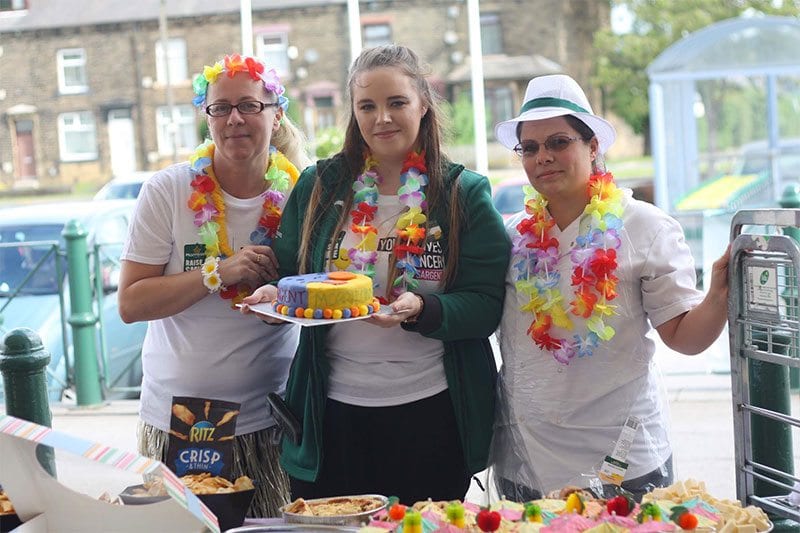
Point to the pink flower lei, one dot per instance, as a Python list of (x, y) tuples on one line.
[(594, 261), (409, 229)]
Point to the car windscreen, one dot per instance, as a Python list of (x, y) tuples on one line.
[(121, 191), (28, 260), (788, 163), (509, 200)]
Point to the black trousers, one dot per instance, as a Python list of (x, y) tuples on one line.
[(412, 451), (660, 477)]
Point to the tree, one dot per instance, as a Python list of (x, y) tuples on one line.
[(460, 122), (623, 58)]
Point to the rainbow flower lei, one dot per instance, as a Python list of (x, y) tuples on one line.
[(209, 210), (409, 228), (231, 65), (594, 261)]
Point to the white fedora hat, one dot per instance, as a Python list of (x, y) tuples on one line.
[(555, 96)]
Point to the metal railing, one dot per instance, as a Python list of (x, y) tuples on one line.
[(764, 328), (61, 376)]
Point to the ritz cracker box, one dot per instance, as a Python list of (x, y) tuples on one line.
[(46, 505), (201, 434)]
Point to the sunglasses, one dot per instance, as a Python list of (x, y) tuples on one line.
[(556, 143)]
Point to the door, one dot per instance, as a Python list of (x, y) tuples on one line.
[(121, 140), (25, 163)]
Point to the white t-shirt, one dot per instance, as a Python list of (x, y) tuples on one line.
[(563, 420), (208, 350), (373, 366)]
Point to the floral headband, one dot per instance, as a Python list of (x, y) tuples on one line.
[(231, 65)]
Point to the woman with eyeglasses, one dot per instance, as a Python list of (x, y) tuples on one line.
[(199, 242), (593, 272)]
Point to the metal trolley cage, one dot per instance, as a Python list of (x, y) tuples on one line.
[(764, 338)]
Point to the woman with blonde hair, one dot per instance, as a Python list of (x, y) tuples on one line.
[(199, 242)]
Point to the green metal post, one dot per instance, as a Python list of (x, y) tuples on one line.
[(769, 389), (791, 200), (784, 525), (82, 318), (23, 364)]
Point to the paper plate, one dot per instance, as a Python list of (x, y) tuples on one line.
[(310, 528), (266, 309), (129, 496)]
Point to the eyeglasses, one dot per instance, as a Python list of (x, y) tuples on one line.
[(556, 143), (250, 107)]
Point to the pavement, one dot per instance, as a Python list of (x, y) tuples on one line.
[(698, 389)]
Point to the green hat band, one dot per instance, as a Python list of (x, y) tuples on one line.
[(551, 102)]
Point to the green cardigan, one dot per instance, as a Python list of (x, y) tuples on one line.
[(464, 316)]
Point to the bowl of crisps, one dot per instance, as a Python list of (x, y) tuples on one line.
[(9, 521), (336, 511), (228, 500), (8, 517), (230, 508)]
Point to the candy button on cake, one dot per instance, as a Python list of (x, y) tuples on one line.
[(329, 295)]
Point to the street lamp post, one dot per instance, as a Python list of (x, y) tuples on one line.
[(172, 130)]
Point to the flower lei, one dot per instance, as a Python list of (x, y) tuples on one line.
[(209, 212), (231, 65), (594, 261), (409, 228)]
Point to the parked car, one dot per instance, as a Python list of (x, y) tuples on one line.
[(755, 159), (29, 285), (123, 187), (508, 196)]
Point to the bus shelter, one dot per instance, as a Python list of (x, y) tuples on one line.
[(717, 90)]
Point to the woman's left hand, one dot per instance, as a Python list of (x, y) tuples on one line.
[(406, 306)]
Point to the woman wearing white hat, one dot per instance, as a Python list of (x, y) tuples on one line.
[(593, 272)]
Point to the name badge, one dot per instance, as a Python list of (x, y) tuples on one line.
[(193, 256)]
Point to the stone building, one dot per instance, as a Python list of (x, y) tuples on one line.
[(91, 89)]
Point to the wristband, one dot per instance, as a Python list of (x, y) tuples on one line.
[(413, 319), (211, 277)]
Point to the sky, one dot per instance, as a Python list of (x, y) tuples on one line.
[(621, 19)]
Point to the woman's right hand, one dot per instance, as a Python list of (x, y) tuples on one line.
[(263, 294), (251, 265)]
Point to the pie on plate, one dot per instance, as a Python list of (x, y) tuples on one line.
[(336, 510)]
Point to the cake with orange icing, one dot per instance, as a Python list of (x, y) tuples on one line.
[(329, 295)]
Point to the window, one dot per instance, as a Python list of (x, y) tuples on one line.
[(271, 48), (500, 104), (76, 136), (377, 34), (176, 61), (491, 34), (13, 5), (181, 124), (71, 64), (325, 112)]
